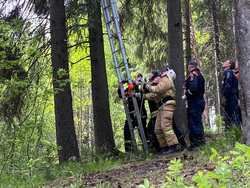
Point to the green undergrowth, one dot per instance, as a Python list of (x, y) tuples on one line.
[(44, 176), (230, 159), (229, 163)]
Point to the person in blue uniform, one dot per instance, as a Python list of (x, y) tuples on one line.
[(230, 92), (194, 91)]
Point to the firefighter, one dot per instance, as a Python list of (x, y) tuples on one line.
[(154, 78), (194, 91), (143, 112), (230, 92), (164, 94)]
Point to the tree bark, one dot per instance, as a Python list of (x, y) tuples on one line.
[(100, 96), (65, 130), (187, 35), (216, 37), (243, 48), (176, 60)]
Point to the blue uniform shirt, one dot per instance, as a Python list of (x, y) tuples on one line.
[(229, 83), (195, 85)]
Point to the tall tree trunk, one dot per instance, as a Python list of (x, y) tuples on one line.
[(176, 60), (233, 12), (102, 122), (216, 36), (187, 34), (65, 130), (190, 37), (243, 48)]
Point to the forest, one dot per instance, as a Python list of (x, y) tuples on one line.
[(61, 115)]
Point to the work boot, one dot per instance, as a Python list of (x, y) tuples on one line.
[(172, 149), (163, 149), (193, 148), (183, 143)]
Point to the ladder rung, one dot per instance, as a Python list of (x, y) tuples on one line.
[(131, 112), (116, 51), (120, 65), (106, 7), (115, 35), (110, 21)]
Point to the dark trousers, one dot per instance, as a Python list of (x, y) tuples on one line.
[(232, 112), (151, 132), (127, 135), (196, 129)]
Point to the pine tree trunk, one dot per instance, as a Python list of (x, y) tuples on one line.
[(233, 13), (243, 49), (100, 96), (176, 60), (216, 36), (187, 35), (65, 130)]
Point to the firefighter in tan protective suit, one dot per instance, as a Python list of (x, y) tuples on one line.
[(164, 95)]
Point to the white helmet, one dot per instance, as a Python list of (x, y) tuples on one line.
[(171, 74)]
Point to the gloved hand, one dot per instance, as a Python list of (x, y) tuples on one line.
[(137, 95), (127, 94), (130, 86), (184, 97)]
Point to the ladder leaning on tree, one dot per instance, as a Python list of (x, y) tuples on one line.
[(112, 18)]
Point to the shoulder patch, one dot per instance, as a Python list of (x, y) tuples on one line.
[(191, 77), (194, 72)]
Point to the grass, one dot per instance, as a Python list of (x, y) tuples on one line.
[(221, 147)]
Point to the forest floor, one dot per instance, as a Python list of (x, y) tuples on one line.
[(133, 174)]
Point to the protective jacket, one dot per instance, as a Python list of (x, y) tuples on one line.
[(164, 89), (164, 94)]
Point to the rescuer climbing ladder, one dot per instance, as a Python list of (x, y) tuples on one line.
[(116, 43)]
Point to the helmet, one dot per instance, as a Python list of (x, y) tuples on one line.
[(166, 68), (171, 74), (142, 78), (155, 74)]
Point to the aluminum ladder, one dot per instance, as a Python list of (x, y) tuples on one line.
[(114, 34)]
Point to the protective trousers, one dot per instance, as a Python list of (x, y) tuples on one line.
[(163, 126)]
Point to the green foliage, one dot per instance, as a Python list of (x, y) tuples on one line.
[(219, 123), (227, 170), (47, 174), (145, 185), (174, 180), (28, 151), (230, 170)]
